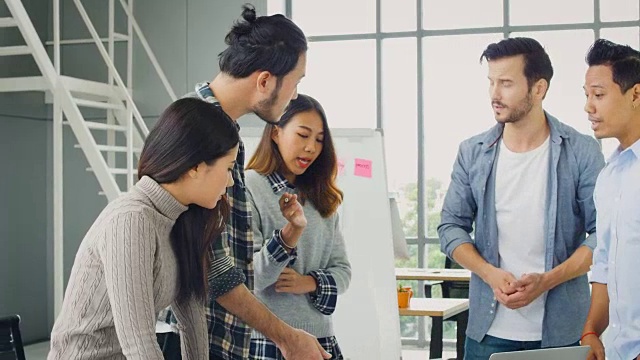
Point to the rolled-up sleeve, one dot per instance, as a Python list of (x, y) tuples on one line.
[(325, 297), (269, 256), (600, 266), (459, 208), (223, 276)]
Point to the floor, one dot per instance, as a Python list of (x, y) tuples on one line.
[(39, 352)]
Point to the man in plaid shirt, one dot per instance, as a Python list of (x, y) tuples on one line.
[(260, 70)]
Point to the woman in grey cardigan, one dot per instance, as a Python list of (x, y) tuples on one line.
[(300, 261), (147, 249)]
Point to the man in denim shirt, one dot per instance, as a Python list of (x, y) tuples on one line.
[(527, 184)]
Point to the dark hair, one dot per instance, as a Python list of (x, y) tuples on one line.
[(268, 43), (623, 60), (537, 64), (318, 183), (190, 131)]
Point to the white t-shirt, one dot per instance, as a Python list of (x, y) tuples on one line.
[(521, 193)]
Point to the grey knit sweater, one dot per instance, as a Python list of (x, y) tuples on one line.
[(320, 247), (124, 273)]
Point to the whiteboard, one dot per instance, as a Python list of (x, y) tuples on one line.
[(366, 319)]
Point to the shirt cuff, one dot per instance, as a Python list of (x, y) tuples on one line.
[(591, 241), (277, 251), (325, 297), (453, 238), (225, 282), (599, 273)]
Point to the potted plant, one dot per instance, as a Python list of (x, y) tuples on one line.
[(404, 295)]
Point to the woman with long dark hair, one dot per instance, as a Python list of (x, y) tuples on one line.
[(302, 264), (148, 249)]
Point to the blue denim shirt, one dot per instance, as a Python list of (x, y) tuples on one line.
[(574, 164)]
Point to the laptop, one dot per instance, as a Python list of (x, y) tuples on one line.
[(566, 353)]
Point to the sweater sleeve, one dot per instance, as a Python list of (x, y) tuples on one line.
[(269, 257), (127, 255), (335, 278), (192, 324)]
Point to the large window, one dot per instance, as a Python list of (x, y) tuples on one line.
[(411, 68)]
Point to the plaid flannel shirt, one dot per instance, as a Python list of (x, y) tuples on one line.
[(232, 263), (265, 349)]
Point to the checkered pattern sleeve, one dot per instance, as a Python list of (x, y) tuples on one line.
[(326, 295)]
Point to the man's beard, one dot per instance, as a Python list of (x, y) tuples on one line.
[(265, 107), (520, 111)]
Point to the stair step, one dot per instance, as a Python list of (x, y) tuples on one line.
[(102, 90), (15, 50), (117, 171), (111, 148), (117, 37), (102, 126), (99, 104), (8, 22)]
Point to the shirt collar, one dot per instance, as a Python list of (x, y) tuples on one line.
[(633, 149), (278, 182), (204, 92), (164, 202), (556, 132)]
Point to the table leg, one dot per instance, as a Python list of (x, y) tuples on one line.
[(435, 347), (462, 321)]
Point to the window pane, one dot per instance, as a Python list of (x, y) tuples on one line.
[(619, 10), (540, 12), (434, 257), (398, 15), (342, 76), (411, 262), (330, 17), (399, 116), (626, 36), (275, 7), (565, 98), (452, 14), (456, 106)]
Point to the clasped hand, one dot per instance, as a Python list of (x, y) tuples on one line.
[(516, 293)]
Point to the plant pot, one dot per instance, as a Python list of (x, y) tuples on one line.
[(403, 298)]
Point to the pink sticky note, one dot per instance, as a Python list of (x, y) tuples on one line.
[(340, 167), (363, 168)]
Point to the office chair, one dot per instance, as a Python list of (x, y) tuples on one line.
[(10, 339)]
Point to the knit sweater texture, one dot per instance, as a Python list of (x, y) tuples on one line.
[(124, 273), (320, 247)]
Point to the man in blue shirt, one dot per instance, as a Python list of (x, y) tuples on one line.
[(612, 86), (527, 185)]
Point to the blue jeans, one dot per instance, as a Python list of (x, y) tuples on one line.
[(474, 350)]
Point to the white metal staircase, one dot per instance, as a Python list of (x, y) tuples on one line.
[(72, 95)]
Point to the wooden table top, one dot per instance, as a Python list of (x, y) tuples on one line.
[(433, 274), (436, 307)]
